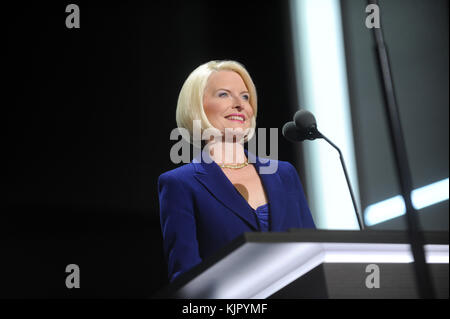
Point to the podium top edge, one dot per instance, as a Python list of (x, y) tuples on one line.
[(344, 236)]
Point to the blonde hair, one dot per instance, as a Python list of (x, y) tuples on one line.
[(190, 99)]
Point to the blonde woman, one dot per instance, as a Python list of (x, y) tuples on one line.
[(221, 194)]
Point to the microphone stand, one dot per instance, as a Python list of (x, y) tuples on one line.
[(313, 133), (415, 235), (358, 215)]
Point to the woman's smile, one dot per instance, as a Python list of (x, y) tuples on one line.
[(236, 118)]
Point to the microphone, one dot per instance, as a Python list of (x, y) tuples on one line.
[(304, 127), (305, 120), (292, 133)]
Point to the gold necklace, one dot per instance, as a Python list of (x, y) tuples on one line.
[(234, 166)]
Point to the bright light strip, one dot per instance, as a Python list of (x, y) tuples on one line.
[(395, 206), (384, 210), (321, 73), (430, 194)]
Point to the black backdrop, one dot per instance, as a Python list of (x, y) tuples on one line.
[(88, 114)]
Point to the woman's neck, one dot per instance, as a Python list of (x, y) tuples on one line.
[(227, 152)]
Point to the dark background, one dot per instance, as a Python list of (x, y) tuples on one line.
[(88, 117), (88, 113)]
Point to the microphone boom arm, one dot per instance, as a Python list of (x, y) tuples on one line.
[(341, 157)]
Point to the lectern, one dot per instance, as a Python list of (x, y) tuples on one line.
[(308, 263)]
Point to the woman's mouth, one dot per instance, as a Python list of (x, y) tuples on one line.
[(236, 118)]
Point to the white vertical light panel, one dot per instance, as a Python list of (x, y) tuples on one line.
[(322, 87)]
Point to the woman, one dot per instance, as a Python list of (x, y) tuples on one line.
[(220, 195)]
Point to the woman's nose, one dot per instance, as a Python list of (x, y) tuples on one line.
[(237, 104)]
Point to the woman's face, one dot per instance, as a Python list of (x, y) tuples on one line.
[(226, 101)]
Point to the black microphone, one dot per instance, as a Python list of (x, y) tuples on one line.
[(304, 127), (305, 120), (292, 133)]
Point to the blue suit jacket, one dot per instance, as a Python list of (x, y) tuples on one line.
[(201, 211)]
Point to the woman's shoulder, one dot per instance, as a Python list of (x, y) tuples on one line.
[(286, 166), (183, 172), (282, 167)]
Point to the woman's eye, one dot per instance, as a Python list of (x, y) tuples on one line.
[(222, 94), (246, 97)]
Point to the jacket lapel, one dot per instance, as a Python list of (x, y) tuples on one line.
[(275, 191), (211, 176)]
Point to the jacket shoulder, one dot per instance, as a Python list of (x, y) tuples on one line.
[(183, 172), (286, 171), (283, 167)]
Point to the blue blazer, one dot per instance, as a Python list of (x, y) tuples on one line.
[(201, 211)]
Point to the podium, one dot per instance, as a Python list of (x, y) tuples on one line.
[(305, 263)]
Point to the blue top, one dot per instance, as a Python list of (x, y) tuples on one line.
[(201, 211), (263, 216)]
